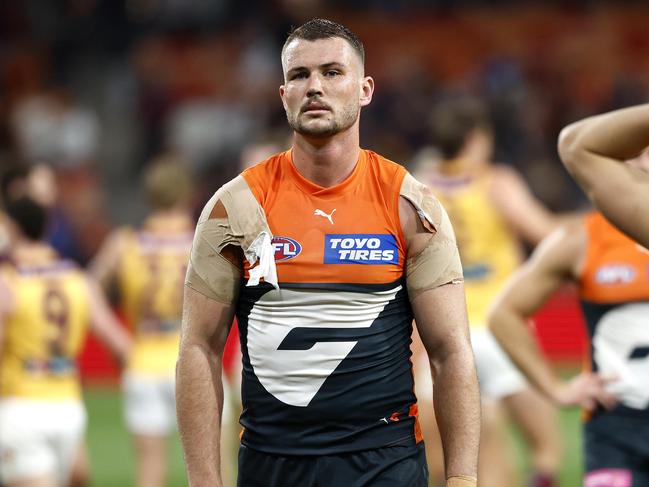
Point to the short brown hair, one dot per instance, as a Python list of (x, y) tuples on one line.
[(167, 182), (453, 120), (315, 29)]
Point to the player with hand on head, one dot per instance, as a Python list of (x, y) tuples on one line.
[(325, 305), (602, 154), (611, 272), (46, 304), (146, 266)]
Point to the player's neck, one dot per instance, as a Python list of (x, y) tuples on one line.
[(463, 166), (170, 221), (31, 252), (326, 162)]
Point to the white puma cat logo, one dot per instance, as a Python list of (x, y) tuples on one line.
[(329, 216)]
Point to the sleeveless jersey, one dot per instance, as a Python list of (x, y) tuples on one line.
[(489, 250), (44, 332), (151, 277), (326, 358), (614, 292)]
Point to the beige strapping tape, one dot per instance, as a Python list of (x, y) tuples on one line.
[(439, 263), (461, 481), (211, 274)]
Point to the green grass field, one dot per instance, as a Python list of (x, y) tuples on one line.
[(111, 453)]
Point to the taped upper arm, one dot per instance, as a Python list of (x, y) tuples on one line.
[(432, 255), (232, 224), (214, 269)]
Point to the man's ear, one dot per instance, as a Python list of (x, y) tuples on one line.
[(367, 90), (282, 92)]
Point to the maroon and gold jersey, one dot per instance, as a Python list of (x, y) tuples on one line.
[(44, 331), (151, 276)]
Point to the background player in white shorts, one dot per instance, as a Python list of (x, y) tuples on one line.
[(46, 304), (491, 209), (146, 266)]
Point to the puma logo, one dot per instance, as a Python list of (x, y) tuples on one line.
[(329, 216)]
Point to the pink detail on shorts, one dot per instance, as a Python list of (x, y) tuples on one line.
[(608, 477)]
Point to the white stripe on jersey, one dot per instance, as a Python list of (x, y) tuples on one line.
[(618, 333), (295, 376)]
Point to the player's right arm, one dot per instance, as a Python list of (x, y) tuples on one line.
[(595, 151), (436, 291), (105, 325), (208, 310), (555, 261)]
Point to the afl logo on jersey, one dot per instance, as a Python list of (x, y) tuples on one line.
[(285, 248), (615, 274)]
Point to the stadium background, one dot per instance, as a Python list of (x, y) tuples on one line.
[(96, 88)]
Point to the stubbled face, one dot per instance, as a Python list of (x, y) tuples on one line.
[(324, 87)]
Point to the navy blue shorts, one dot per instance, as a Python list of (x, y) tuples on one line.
[(394, 466), (616, 451)]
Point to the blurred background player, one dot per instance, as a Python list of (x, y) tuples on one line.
[(46, 304), (612, 276), (601, 153), (490, 207), (39, 184), (146, 267)]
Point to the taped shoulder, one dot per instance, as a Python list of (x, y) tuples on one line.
[(234, 217), (430, 210), (438, 261)]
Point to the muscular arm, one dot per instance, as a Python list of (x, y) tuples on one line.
[(594, 151), (554, 262), (199, 387), (440, 315), (208, 310)]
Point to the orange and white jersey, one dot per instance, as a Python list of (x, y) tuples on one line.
[(614, 290), (151, 275), (326, 357)]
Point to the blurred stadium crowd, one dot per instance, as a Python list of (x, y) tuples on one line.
[(96, 88)]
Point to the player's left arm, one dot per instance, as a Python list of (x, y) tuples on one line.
[(105, 325), (520, 208), (555, 261), (436, 293)]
